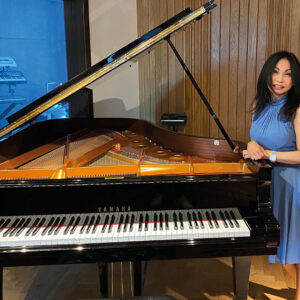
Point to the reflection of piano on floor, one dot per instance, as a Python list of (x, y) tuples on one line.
[(10, 77)]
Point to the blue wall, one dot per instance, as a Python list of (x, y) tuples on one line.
[(32, 32)]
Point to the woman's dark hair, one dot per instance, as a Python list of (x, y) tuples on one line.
[(263, 93)]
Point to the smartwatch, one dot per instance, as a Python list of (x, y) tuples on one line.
[(272, 157)]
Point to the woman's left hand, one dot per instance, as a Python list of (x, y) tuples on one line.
[(246, 154)]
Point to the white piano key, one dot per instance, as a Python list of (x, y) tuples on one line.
[(19, 238), (244, 229), (139, 227), (38, 236), (96, 236), (86, 232), (4, 235), (152, 230), (60, 238)]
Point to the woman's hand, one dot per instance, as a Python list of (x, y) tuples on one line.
[(255, 151)]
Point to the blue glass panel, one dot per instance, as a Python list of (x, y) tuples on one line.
[(32, 55)]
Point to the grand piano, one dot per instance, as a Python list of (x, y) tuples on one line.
[(114, 190)]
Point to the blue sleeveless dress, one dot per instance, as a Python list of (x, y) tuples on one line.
[(273, 133)]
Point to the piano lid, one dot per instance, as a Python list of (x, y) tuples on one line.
[(105, 66)]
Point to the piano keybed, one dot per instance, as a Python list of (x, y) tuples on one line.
[(121, 227)]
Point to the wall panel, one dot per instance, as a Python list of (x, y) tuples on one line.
[(224, 51)]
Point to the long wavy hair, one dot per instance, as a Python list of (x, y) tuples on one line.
[(263, 93)]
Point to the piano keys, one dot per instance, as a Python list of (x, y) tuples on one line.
[(79, 230)]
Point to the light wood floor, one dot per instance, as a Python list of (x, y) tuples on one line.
[(185, 279)]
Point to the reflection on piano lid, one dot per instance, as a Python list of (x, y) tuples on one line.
[(97, 71), (12, 76)]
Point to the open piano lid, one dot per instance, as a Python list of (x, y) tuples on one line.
[(105, 66), (104, 148)]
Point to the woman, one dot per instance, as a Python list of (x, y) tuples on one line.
[(275, 135)]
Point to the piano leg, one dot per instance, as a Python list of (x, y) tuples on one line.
[(103, 277), (1, 283), (241, 270), (137, 271)]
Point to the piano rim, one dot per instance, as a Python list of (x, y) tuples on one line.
[(156, 250), (99, 181), (80, 248)]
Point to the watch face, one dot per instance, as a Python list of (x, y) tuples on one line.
[(272, 157)]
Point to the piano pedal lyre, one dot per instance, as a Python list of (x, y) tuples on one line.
[(117, 279)]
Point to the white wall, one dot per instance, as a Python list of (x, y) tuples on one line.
[(113, 24)]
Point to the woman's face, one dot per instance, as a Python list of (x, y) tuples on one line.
[(281, 79)]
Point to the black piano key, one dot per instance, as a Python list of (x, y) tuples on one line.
[(228, 218), (35, 223), (213, 214), (234, 219), (146, 222), (39, 226), (167, 221), (5, 224), (111, 223), (181, 221), (92, 223), (60, 225), (14, 224), (85, 224), (72, 219), (78, 219), (2, 222), (200, 219), (54, 227), (105, 223), (121, 222), (175, 220), (189, 217), (155, 219), (208, 217), (97, 222), (195, 220), (223, 219), (141, 219), (49, 225), (161, 220), (28, 220), (132, 220), (126, 223), (17, 227)]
